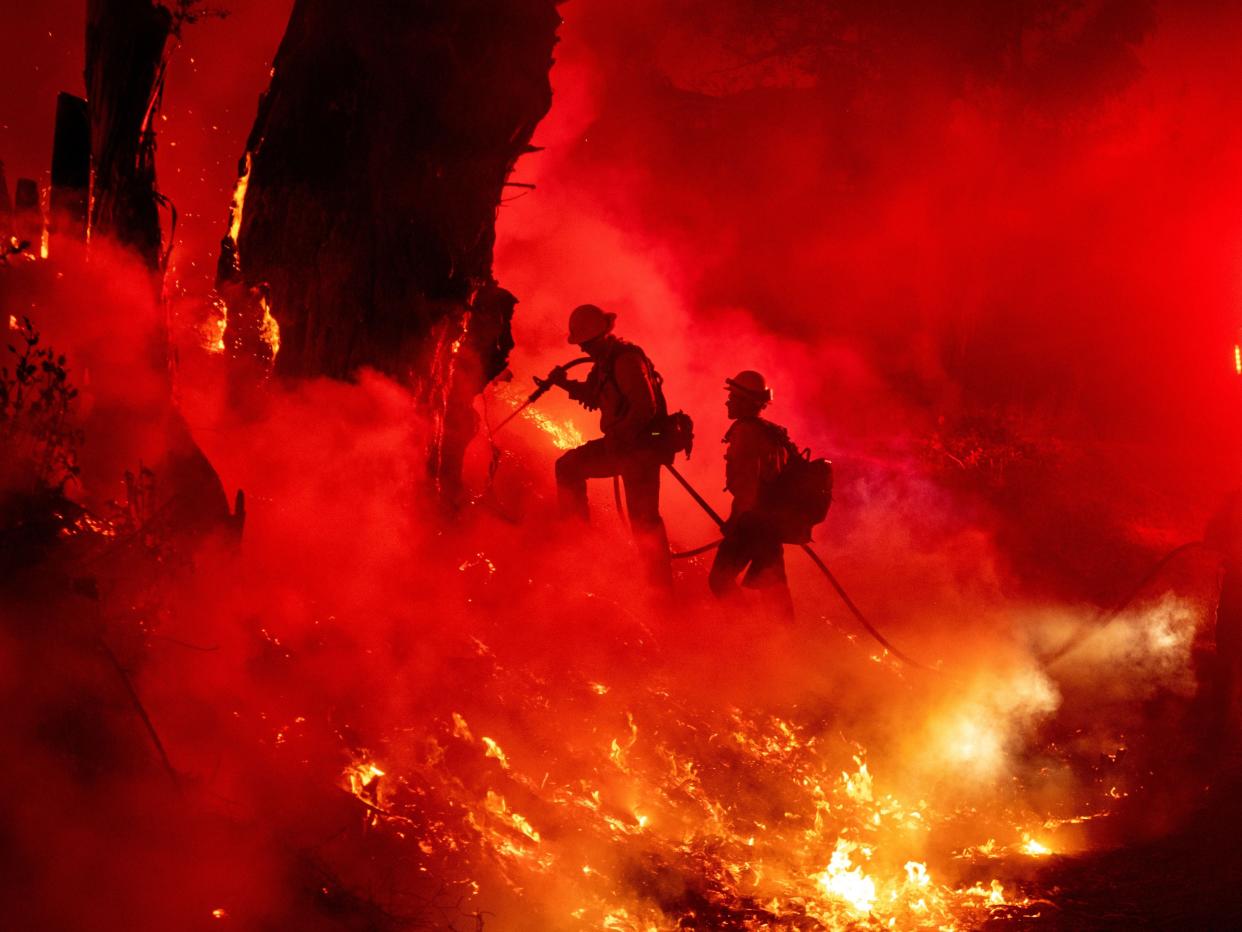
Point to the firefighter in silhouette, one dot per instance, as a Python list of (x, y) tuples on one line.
[(753, 535), (625, 388)]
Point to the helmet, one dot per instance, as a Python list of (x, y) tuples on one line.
[(750, 384), (588, 322)]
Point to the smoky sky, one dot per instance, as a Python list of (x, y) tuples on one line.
[(917, 215)]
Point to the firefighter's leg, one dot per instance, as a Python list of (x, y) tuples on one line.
[(767, 569), (573, 469), (732, 556), (641, 476), (769, 581)]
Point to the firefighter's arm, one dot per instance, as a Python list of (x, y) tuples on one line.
[(634, 383), (578, 391)]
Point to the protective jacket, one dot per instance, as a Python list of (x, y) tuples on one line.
[(754, 456), (624, 388)]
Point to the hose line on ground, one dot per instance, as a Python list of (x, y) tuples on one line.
[(1084, 633), (823, 568)]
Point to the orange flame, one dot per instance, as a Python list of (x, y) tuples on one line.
[(239, 200)]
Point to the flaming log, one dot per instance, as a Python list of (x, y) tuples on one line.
[(369, 187)]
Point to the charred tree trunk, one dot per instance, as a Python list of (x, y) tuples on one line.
[(6, 212), (371, 182), (71, 170), (127, 43), (125, 47), (27, 213)]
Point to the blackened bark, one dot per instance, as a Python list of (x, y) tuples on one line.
[(27, 213), (376, 166), (125, 45), (71, 169), (127, 42), (6, 211)]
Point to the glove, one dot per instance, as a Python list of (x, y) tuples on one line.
[(559, 377)]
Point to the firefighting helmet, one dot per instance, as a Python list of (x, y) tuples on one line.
[(750, 385), (588, 322)]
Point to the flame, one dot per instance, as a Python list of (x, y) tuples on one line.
[(1034, 848), (361, 778), (858, 785), (239, 200), (219, 913), (565, 436), (808, 844), (498, 807), (846, 882), (494, 750), (269, 330), (1237, 358), (212, 331)]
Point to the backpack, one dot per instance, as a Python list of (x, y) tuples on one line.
[(668, 434), (800, 495)]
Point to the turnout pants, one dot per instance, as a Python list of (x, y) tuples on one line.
[(640, 474), (752, 543)]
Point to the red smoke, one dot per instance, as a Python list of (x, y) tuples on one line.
[(1024, 217), (987, 258)]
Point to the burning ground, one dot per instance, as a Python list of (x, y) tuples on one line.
[(990, 265), (374, 725)]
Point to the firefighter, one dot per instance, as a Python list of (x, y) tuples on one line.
[(753, 535), (625, 388)]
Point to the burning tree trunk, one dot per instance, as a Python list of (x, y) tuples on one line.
[(365, 216)]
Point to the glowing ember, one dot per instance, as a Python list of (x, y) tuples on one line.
[(362, 779), (219, 914), (494, 750), (498, 807)]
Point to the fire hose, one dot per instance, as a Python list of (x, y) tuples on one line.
[(542, 387), (815, 558), (1084, 633), (1072, 643)]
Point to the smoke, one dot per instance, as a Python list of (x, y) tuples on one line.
[(985, 259), (992, 246)]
